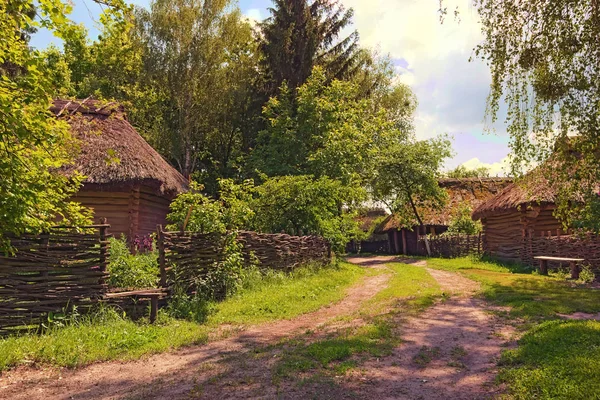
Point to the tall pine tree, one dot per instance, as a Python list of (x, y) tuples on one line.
[(301, 34)]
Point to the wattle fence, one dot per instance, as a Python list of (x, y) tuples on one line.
[(51, 273), (63, 269), (586, 247), (185, 256), (451, 246)]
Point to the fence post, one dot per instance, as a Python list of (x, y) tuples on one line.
[(161, 256), (103, 247)]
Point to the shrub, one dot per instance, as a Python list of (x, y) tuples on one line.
[(132, 271)]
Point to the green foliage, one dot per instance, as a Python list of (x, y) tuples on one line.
[(199, 65), (33, 144), (196, 212), (544, 60), (323, 130), (462, 222), (300, 205), (555, 360), (462, 172), (407, 177), (131, 271)]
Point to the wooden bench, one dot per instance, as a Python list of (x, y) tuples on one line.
[(572, 264), (152, 294)]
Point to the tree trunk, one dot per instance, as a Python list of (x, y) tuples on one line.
[(421, 226)]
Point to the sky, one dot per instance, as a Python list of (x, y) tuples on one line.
[(432, 58)]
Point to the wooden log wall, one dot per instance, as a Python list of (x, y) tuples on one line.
[(185, 254), (451, 246), (50, 273)]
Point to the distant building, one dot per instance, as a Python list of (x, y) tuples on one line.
[(403, 235), (127, 181)]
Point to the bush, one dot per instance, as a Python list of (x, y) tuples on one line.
[(131, 271)]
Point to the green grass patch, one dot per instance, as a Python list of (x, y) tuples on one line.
[(104, 336), (286, 296), (337, 354), (530, 296), (555, 360), (411, 284), (466, 263), (107, 335)]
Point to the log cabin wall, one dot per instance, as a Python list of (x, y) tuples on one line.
[(113, 205), (153, 211), (504, 232), (131, 212)]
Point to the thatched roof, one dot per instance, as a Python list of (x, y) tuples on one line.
[(532, 188), (112, 153), (472, 191), (370, 217)]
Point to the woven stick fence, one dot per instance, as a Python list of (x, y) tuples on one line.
[(184, 256), (49, 273), (586, 247), (451, 246)]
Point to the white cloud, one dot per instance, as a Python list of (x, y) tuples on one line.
[(435, 62), (501, 168), (254, 15)]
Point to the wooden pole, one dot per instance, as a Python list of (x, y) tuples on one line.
[(404, 241), (161, 256)]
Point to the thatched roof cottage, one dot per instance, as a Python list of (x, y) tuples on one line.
[(127, 181), (522, 208), (403, 235)]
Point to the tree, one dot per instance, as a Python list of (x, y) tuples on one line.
[(463, 172), (328, 130), (301, 34), (198, 57), (302, 205), (407, 178), (544, 56), (34, 144), (462, 222)]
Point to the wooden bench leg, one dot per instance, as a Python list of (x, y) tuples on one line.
[(574, 270), (543, 267), (153, 308)]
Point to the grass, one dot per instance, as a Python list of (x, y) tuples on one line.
[(530, 296), (104, 336), (281, 297), (555, 359), (107, 335), (337, 354), (411, 284)]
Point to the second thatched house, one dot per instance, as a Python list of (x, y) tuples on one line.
[(127, 181), (522, 208), (403, 237)]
